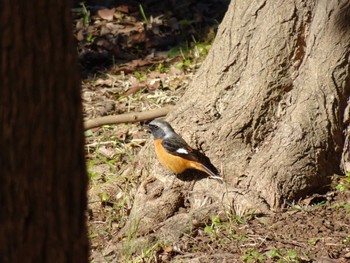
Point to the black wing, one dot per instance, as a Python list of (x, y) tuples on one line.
[(173, 144)]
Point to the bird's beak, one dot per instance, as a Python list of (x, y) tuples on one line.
[(147, 126)]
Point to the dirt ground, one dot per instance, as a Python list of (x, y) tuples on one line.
[(313, 232), (141, 57)]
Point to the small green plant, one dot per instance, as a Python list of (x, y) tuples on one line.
[(344, 184), (144, 15), (177, 51), (345, 206), (305, 207), (238, 220), (346, 241), (201, 49), (90, 38), (147, 253), (185, 64), (239, 237), (341, 187), (313, 241), (93, 235), (92, 175), (281, 255), (88, 133), (131, 239), (253, 256), (274, 254), (86, 14), (105, 197), (140, 76), (189, 54), (214, 226), (161, 68), (291, 256), (186, 58)]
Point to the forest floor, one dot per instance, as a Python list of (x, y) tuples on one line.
[(141, 57)]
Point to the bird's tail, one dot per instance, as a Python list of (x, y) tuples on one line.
[(205, 169)]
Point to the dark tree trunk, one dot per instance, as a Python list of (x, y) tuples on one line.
[(42, 169)]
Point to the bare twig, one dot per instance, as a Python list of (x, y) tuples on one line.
[(127, 118)]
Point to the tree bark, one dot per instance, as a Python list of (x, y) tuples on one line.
[(43, 179), (277, 85), (269, 107)]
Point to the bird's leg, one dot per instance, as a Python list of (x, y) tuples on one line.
[(171, 186)]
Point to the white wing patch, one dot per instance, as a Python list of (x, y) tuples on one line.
[(182, 150)]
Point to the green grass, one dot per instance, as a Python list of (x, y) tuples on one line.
[(344, 183)]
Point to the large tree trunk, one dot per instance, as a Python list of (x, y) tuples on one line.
[(42, 180), (268, 108), (277, 82)]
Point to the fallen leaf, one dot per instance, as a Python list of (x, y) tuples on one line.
[(123, 8), (106, 14), (114, 27), (109, 153), (133, 90), (103, 82), (154, 84), (80, 35), (79, 24), (175, 71), (168, 249), (104, 31)]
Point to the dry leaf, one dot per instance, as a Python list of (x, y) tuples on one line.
[(106, 14), (80, 35), (123, 8)]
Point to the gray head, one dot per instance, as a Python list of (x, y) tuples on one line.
[(160, 129)]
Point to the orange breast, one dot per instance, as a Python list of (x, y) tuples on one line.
[(172, 162)]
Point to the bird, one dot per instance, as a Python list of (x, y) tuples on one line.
[(174, 153)]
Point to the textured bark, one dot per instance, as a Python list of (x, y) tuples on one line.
[(43, 179), (268, 107), (277, 81)]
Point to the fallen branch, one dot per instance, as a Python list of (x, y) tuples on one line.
[(127, 118)]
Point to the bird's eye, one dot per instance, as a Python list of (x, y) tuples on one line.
[(154, 127)]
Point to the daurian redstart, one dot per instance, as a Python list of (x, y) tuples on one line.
[(174, 153)]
